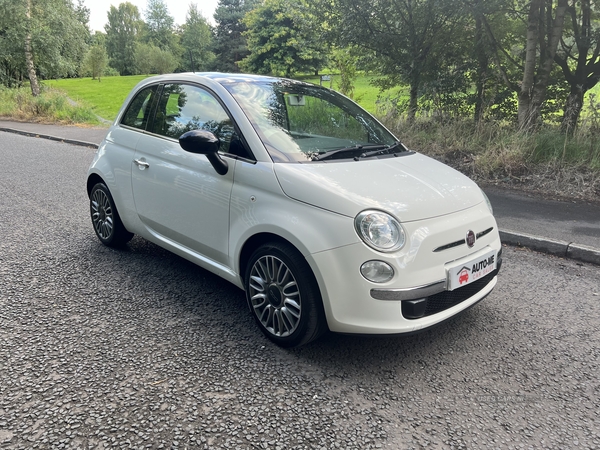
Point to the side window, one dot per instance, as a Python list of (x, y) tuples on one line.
[(184, 108), (139, 109)]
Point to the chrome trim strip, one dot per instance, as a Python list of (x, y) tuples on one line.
[(413, 293), (483, 233), (451, 245)]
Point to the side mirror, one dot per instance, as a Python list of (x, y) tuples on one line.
[(204, 143)]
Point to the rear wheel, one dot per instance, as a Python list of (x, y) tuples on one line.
[(284, 296), (105, 218)]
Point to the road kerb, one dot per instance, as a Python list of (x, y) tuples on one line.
[(584, 253), (50, 137), (538, 243), (552, 246)]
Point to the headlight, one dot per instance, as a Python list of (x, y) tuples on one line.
[(380, 231), (488, 202)]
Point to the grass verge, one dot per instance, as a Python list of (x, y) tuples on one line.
[(547, 162), (107, 96), (50, 106)]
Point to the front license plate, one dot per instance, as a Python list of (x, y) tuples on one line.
[(467, 272)]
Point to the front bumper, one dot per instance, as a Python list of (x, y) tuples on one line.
[(417, 297)]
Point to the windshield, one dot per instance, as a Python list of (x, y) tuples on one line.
[(300, 122)]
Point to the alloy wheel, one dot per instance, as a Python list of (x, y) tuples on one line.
[(275, 296), (102, 214)]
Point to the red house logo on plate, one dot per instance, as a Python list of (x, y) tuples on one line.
[(463, 276)]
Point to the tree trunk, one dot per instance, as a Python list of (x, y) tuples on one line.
[(481, 72), (536, 77), (583, 75), (572, 110), (413, 103), (526, 113), (35, 86)]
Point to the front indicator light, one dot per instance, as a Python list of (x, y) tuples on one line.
[(377, 271)]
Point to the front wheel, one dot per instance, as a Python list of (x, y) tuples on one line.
[(283, 295), (105, 218)]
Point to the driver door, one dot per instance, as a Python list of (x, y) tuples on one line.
[(179, 195)]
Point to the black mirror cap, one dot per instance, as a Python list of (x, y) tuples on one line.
[(199, 141), (204, 143)]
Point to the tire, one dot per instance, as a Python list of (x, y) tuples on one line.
[(283, 295), (105, 218)]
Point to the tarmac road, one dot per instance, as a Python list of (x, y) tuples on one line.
[(561, 220), (141, 349)]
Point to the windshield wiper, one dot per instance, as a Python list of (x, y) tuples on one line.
[(387, 150), (349, 152)]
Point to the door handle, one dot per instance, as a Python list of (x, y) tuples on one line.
[(141, 164)]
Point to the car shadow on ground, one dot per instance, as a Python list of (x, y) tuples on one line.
[(196, 293)]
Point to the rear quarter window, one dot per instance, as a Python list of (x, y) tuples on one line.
[(139, 110)]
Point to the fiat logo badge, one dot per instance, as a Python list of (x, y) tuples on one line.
[(470, 238)]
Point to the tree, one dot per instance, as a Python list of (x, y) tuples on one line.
[(230, 43), (151, 59), (41, 39), (543, 35), (82, 14), (544, 21), (413, 40), (96, 61), (482, 50), (99, 38), (159, 26), (196, 40), (33, 81), (122, 33), (143, 58), (579, 58), (276, 42), (163, 61), (345, 63)]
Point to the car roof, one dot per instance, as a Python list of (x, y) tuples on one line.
[(236, 77), (222, 78)]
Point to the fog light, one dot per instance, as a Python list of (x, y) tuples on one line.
[(377, 271)]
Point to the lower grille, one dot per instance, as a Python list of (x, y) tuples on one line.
[(447, 299)]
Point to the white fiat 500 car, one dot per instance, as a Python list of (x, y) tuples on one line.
[(295, 194)]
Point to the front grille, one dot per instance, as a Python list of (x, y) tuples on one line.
[(462, 241), (447, 299)]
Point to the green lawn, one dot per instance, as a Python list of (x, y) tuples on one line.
[(105, 97), (365, 93)]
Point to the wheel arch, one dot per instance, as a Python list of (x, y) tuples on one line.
[(253, 243), (92, 180)]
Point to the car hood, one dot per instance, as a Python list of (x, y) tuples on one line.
[(411, 187)]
